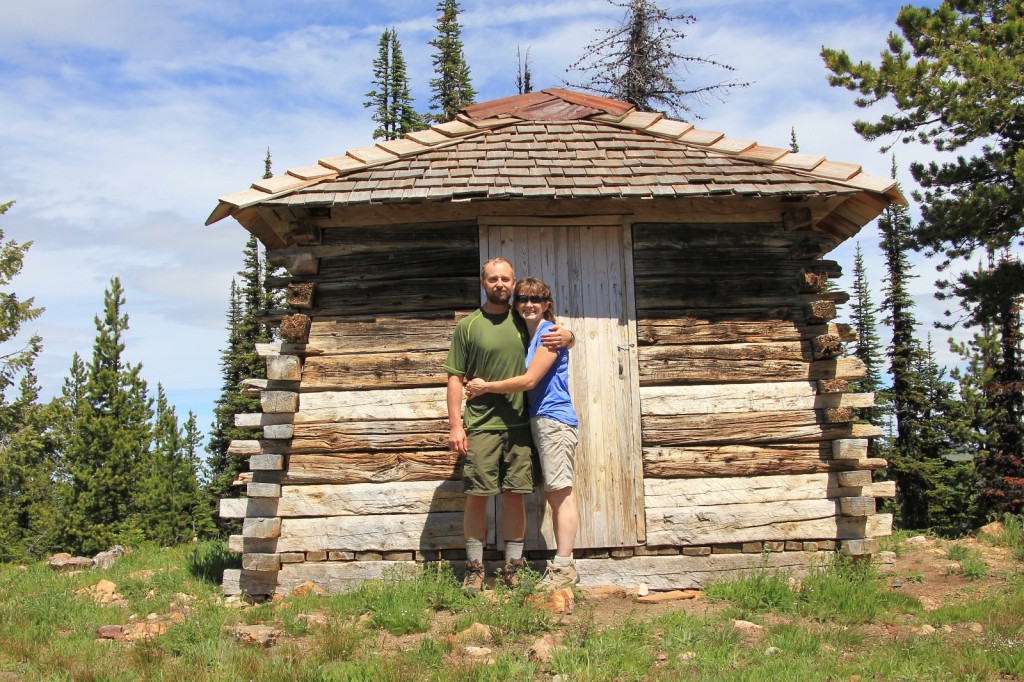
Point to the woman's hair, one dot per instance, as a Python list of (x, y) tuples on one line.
[(532, 286)]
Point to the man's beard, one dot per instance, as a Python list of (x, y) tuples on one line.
[(499, 297)]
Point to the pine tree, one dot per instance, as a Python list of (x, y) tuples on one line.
[(390, 99), (955, 77), (26, 459), (14, 312), (793, 146), (868, 347), (638, 62), (239, 361), (110, 442), (524, 78), (170, 495), (995, 307), (452, 88), (28, 485), (946, 468)]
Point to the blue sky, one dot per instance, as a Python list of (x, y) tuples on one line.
[(123, 121)]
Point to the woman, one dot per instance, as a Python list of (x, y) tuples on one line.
[(552, 420)]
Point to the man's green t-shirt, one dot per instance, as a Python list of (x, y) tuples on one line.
[(492, 348)]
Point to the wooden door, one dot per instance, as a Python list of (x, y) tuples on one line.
[(589, 268)]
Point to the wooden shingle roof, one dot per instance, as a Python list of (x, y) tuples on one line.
[(556, 144)]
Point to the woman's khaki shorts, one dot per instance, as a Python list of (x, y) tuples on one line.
[(556, 445)]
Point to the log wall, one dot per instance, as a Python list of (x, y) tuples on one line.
[(748, 439)]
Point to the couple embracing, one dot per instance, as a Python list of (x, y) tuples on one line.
[(513, 405)]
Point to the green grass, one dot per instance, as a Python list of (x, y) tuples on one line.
[(826, 626)]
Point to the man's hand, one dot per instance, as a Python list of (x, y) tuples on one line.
[(457, 440), (557, 338)]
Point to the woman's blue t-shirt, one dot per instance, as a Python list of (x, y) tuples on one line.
[(550, 397)]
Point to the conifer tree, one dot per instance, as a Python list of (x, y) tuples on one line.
[(637, 62), (955, 76), (110, 440), (524, 78), (946, 474), (452, 88), (14, 313), (26, 462), (170, 499), (28, 485), (239, 361), (868, 347), (392, 104), (793, 146)]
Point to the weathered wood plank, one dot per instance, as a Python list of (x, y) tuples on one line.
[(855, 479), (371, 498), (682, 492), (657, 572), (261, 420), (348, 299), (352, 406), (284, 368), (723, 398), (263, 528), (691, 572), (382, 533), (237, 581), (232, 507), (397, 334), (276, 402), (440, 259), (701, 331), (338, 577), (748, 460), (740, 428), (252, 561), (375, 467), (374, 371), (371, 436), (857, 506), (850, 449), (739, 363), (786, 520)]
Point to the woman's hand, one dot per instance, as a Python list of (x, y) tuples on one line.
[(476, 387)]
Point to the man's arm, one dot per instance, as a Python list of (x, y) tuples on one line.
[(556, 338), (457, 432)]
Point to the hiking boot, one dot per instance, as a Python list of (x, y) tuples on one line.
[(558, 577), (473, 582), (510, 574)]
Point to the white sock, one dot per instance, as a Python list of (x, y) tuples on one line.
[(513, 550), (562, 560)]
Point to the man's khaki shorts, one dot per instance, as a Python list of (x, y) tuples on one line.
[(498, 462), (556, 444)]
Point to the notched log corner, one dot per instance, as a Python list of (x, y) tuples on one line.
[(295, 328), (300, 295), (826, 346), (819, 312)]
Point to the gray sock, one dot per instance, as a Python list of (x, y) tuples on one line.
[(475, 550), (513, 550), (562, 560)]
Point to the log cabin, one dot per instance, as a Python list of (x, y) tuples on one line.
[(717, 428)]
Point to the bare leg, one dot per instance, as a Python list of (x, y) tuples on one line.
[(565, 518), (474, 518), (513, 516)]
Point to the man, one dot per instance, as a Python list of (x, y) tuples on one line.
[(493, 434)]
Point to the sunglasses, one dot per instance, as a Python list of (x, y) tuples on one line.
[(531, 299)]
